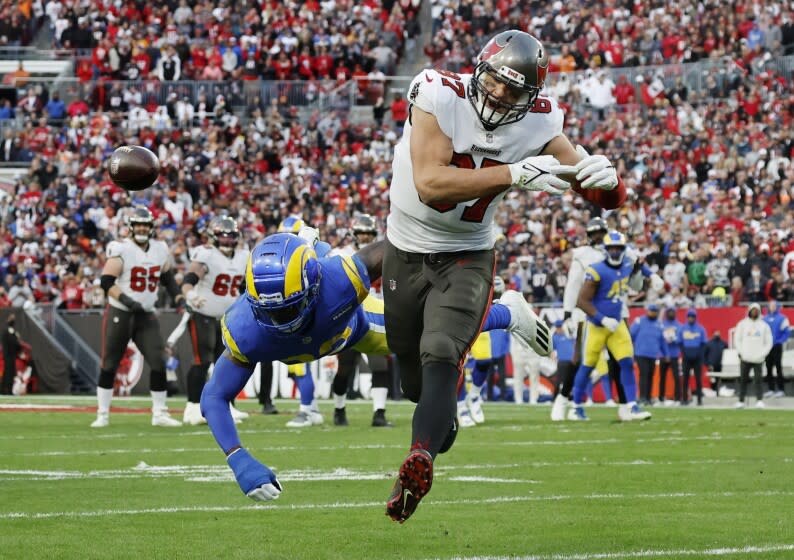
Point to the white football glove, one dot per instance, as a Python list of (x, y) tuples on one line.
[(657, 284), (538, 173), (595, 172), (194, 300), (264, 493), (610, 324)]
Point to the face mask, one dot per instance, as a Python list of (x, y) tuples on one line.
[(756, 273)]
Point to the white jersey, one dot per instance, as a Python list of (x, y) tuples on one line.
[(582, 258), (346, 251), (140, 277), (220, 285), (416, 227)]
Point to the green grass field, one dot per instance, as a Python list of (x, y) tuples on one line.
[(690, 483)]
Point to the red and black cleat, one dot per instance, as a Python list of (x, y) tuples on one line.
[(413, 483)]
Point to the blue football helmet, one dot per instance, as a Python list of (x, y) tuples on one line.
[(292, 224), (615, 247), (282, 281)]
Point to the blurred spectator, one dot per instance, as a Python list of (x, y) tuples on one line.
[(781, 330), (692, 338), (753, 340), (11, 346)]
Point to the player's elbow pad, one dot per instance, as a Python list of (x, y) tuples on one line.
[(191, 278), (106, 281)]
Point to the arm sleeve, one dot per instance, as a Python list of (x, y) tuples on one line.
[(227, 380), (168, 280), (573, 286)]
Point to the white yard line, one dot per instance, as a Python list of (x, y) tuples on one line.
[(221, 473), (72, 452), (428, 503), (648, 553)]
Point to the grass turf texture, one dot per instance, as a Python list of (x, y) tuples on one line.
[(690, 483)]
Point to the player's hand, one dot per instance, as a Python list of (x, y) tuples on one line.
[(657, 284), (595, 172), (610, 324), (256, 480), (136, 307), (194, 301), (569, 327), (539, 173)]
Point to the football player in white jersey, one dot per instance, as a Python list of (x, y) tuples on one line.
[(211, 284), (365, 231), (573, 317), (468, 139), (133, 272)]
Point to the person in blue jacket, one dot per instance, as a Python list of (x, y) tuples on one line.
[(774, 360), (692, 338), (670, 360), (648, 338)]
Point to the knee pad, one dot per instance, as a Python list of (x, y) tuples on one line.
[(157, 381), (106, 378), (439, 347)]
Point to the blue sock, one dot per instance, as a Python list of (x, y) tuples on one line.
[(606, 386), (498, 318), (628, 380), (580, 383), (589, 388), (305, 384), (480, 373)]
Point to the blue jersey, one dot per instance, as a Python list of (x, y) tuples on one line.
[(779, 325), (613, 287), (339, 320)]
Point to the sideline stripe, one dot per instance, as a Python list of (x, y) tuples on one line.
[(725, 551), (359, 505)]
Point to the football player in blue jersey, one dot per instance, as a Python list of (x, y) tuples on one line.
[(601, 298), (298, 307)]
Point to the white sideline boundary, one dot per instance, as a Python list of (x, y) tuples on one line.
[(648, 553), (360, 505)]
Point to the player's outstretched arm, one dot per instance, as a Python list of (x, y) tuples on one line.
[(372, 258), (229, 377), (594, 177)]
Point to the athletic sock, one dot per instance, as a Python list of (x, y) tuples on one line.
[(436, 409)]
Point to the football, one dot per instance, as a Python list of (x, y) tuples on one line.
[(133, 168)]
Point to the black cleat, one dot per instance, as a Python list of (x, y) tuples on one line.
[(340, 417), (269, 408), (413, 483), (379, 419)]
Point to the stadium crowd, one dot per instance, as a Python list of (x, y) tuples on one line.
[(708, 167), (593, 34)]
